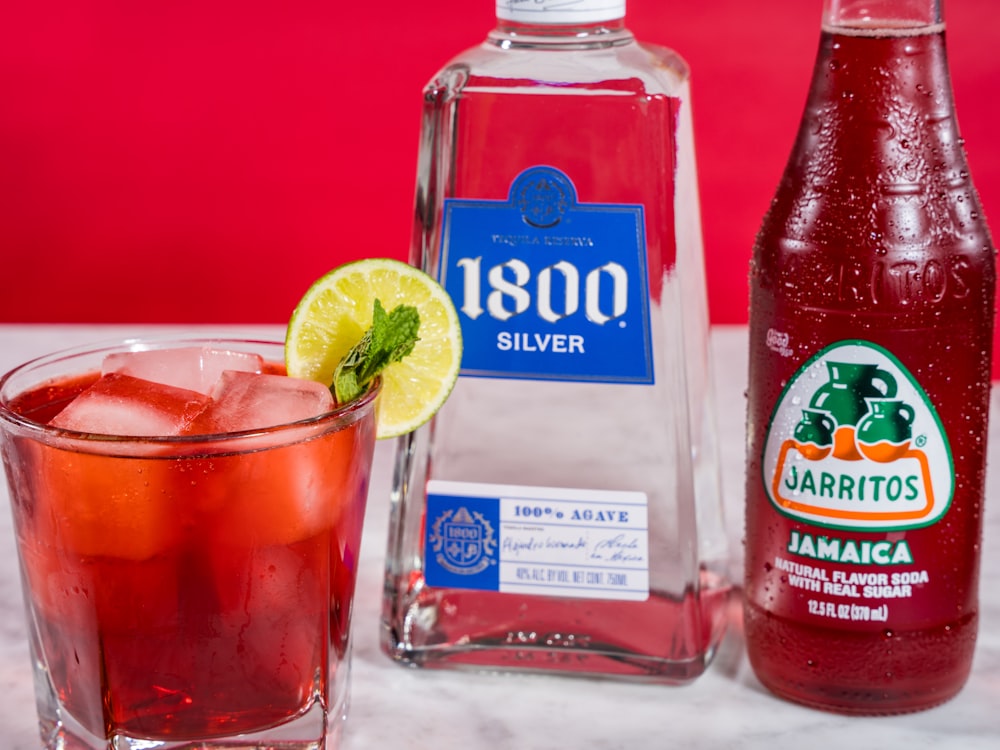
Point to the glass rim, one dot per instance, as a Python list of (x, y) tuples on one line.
[(341, 413)]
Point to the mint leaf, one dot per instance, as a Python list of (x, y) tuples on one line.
[(391, 337)]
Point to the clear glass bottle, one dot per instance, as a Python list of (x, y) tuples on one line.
[(871, 328), (562, 511)]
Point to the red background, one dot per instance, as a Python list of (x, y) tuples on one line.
[(202, 161)]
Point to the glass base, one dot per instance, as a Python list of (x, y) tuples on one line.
[(316, 728), (309, 731)]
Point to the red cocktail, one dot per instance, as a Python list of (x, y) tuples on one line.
[(192, 583)]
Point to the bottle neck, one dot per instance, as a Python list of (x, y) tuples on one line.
[(557, 24), (881, 14)]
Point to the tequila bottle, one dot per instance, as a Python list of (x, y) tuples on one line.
[(562, 511)]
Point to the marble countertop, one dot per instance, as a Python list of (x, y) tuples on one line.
[(397, 707)]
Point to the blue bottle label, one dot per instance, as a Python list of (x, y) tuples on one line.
[(537, 540), (548, 288)]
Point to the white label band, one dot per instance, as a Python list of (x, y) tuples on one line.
[(560, 11)]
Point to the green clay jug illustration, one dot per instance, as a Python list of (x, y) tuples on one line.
[(884, 435), (814, 434), (845, 396)]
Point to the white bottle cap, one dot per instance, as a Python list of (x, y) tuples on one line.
[(560, 11)]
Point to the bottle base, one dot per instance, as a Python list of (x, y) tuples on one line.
[(859, 673), (600, 666), (664, 640), (847, 701)]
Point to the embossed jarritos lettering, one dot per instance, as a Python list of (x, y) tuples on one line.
[(902, 283), (854, 443), (548, 287)]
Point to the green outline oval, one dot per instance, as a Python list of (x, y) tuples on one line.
[(927, 402)]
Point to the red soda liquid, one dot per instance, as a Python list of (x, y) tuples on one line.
[(198, 593), (876, 234)]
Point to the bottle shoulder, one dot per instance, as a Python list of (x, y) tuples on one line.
[(878, 172), (627, 65)]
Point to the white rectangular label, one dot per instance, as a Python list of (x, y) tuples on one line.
[(547, 541)]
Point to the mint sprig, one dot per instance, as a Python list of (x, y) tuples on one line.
[(391, 337)]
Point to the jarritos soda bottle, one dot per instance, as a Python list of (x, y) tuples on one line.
[(872, 300)]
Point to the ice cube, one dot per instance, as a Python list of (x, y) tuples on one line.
[(120, 404), (246, 401), (192, 367)]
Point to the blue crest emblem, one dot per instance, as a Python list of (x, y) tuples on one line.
[(543, 195), (463, 542)]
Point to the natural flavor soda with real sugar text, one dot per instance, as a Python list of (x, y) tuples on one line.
[(871, 323)]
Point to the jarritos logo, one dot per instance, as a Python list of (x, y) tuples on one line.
[(855, 443)]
